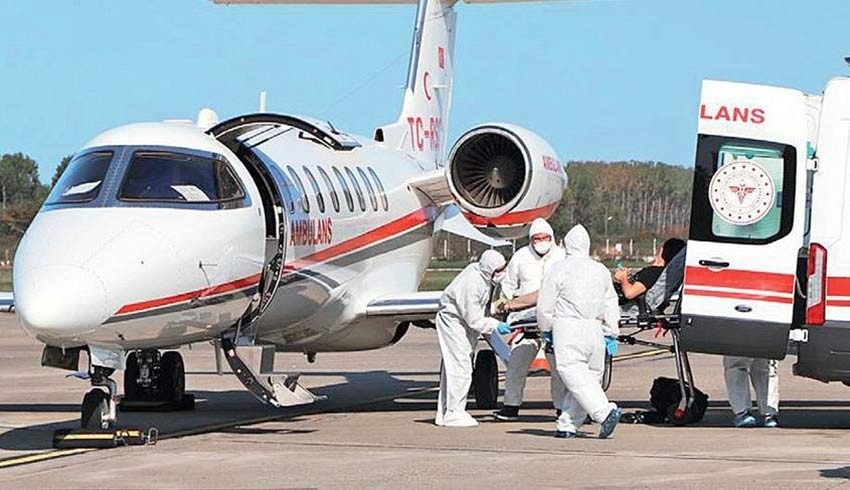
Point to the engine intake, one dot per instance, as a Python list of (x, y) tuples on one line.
[(489, 170)]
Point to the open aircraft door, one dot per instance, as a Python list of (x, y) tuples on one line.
[(748, 220)]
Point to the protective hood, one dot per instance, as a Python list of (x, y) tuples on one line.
[(490, 261), (540, 225), (577, 241)]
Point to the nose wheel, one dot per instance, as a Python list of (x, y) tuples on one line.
[(99, 408)]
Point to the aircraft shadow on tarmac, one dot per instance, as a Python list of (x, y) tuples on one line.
[(232, 406), (842, 473)]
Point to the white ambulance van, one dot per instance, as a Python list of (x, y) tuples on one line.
[(768, 260)]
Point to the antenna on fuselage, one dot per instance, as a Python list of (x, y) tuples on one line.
[(263, 101)]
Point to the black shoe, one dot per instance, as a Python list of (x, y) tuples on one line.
[(507, 413), (562, 434)]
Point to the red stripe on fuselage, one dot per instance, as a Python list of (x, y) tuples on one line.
[(739, 279), (516, 218), (726, 294), (201, 293), (400, 225)]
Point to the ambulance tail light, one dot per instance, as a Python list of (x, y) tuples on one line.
[(816, 294)]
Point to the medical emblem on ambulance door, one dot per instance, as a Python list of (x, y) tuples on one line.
[(741, 192)]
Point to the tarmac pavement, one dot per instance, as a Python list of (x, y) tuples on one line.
[(375, 429)]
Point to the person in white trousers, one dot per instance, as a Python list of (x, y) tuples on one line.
[(739, 372), (578, 304)]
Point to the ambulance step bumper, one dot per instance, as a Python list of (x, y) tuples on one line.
[(826, 355)]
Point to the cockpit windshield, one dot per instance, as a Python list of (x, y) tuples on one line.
[(163, 176), (81, 181)]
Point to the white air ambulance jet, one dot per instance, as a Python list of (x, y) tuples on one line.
[(266, 233)]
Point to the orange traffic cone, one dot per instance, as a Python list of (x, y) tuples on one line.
[(540, 363)]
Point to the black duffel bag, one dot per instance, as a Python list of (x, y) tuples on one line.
[(664, 396)]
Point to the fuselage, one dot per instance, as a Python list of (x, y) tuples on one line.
[(159, 235)]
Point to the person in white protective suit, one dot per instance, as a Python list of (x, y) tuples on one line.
[(578, 304), (763, 374), (523, 276), (461, 318)]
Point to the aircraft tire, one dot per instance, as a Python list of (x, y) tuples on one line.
[(485, 379), (172, 378), (131, 378), (94, 409)]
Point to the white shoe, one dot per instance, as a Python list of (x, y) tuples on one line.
[(460, 420), (438, 420)]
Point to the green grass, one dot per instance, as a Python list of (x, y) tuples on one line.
[(5, 279), (437, 280)]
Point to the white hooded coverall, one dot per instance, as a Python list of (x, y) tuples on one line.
[(577, 302), (524, 275), (460, 320), (762, 373)]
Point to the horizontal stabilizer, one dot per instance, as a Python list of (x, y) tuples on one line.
[(453, 221)]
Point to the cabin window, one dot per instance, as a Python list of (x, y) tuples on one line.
[(331, 189), (380, 186), (161, 176), (743, 190), (320, 199), (345, 189), (305, 202), (360, 198), (369, 188), (81, 181)]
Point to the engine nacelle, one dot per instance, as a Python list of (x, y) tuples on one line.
[(503, 176)]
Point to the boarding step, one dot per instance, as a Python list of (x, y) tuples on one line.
[(253, 366)]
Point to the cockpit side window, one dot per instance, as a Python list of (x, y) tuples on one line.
[(81, 181), (162, 176)]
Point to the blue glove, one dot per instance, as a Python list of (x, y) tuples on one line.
[(503, 328), (547, 336), (611, 346)]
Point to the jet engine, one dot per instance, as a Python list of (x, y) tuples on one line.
[(503, 176)]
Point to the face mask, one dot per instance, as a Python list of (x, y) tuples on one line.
[(542, 248), (498, 276)]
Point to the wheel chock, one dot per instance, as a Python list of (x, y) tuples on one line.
[(108, 438)]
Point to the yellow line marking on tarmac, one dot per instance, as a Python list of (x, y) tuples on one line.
[(61, 453)]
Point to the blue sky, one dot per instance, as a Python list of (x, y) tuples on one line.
[(600, 79)]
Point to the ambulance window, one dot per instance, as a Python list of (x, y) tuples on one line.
[(743, 190), (369, 188), (81, 180), (179, 177), (384, 201), (320, 199), (345, 189), (305, 203), (360, 199), (331, 189)]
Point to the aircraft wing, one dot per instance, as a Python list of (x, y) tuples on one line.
[(407, 306), (7, 302)]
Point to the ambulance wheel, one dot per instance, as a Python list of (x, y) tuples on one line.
[(485, 380), (94, 410), (172, 378), (131, 378)]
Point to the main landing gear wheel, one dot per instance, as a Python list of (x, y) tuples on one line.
[(95, 410), (155, 382), (172, 378), (485, 380)]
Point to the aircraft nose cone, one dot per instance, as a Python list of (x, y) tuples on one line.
[(60, 301)]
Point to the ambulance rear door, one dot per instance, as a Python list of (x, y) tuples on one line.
[(748, 220)]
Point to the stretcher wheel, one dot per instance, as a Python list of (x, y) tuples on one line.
[(485, 380), (606, 374), (677, 416)]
